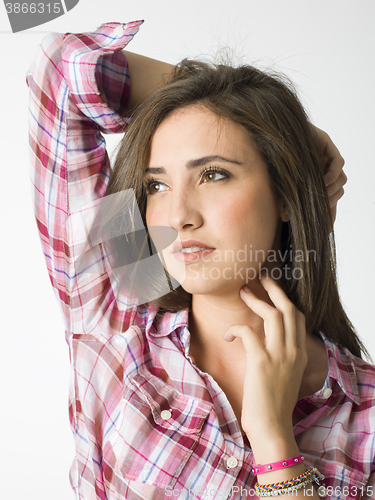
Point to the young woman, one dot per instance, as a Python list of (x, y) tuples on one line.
[(247, 379)]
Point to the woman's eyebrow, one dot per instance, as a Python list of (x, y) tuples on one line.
[(194, 163)]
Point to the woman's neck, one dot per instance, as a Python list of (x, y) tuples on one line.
[(211, 316)]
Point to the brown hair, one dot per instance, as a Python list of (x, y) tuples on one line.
[(268, 109)]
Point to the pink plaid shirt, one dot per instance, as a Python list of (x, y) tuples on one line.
[(147, 423)]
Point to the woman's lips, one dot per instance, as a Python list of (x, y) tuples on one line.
[(190, 250), (192, 256)]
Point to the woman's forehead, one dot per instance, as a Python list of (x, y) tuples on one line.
[(196, 130)]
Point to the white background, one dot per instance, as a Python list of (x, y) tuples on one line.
[(326, 46)]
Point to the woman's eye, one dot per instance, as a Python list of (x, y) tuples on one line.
[(212, 176), (154, 187)]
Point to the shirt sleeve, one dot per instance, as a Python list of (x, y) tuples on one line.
[(79, 89)]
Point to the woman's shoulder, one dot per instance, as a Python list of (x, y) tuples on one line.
[(354, 375), (365, 378), (360, 376)]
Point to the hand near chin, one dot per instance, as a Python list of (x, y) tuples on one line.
[(274, 365)]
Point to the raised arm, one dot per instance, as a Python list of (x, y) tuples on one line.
[(79, 88), (146, 75)]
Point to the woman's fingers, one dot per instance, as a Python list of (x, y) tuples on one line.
[(284, 323), (331, 156), (335, 197), (335, 192), (273, 318), (285, 306), (250, 340), (333, 164), (335, 167), (334, 178), (337, 186), (274, 367)]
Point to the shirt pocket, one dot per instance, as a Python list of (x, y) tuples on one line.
[(341, 483), (160, 429)]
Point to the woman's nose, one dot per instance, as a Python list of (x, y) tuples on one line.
[(184, 212)]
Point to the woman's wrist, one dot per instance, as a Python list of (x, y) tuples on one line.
[(277, 449), (272, 443), (274, 450)]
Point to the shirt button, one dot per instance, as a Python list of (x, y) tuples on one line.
[(232, 462), (322, 491), (166, 414), (327, 393), (118, 30)]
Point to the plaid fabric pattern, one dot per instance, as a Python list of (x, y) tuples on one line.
[(147, 423)]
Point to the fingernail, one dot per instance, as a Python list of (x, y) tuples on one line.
[(246, 289), (263, 273), (227, 337)]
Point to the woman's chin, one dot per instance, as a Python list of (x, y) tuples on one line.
[(202, 286), (212, 280)]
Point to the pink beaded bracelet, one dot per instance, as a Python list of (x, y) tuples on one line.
[(259, 469)]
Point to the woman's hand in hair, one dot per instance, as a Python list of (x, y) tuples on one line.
[(333, 164), (275, 364)]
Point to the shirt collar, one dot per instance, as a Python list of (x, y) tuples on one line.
[(166, 324), (341, 367)]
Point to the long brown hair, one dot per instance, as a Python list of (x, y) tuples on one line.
[(268, 108)]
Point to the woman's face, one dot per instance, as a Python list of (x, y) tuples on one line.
[(207, 180)]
